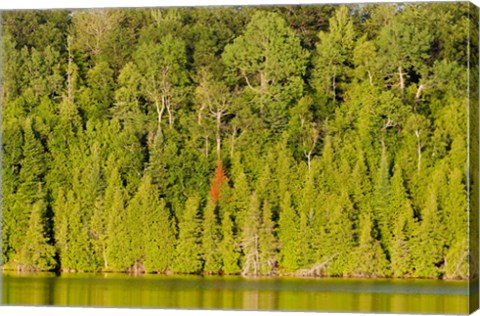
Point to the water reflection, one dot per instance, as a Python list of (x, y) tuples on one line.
[(291, 294)]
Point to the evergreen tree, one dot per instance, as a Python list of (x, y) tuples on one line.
[(456, 263), (267, 241), (401, 225), (117, 252), (427, 252), (188, 250), (230, 254), (36, 253), (211, 239), (250, 238), (288, 225), (382, 203), (156, 228), (30, 177), (371, 260)]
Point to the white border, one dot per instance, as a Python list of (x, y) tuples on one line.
[(50, 4)]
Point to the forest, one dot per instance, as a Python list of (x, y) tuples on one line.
[(318, 140)]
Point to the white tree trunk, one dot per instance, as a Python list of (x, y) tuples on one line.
[(218, 136), (402, 80), (419, 151)]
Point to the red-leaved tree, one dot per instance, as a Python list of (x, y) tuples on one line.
[(217, 182)]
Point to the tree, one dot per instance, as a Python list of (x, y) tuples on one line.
[(91, 29), (188, 250), (401, 225), (250, 238), (211, 239), (404, 44), (267, 241), (371, 260), (127, 108), (309, 141), (36, 253), (160, 235), (100, 91), (334, 53), (288, 225), (117, 253), (456, 262), (230, 254), (269, 59), (78, 253), (215, 98), (164, 74), (428, 252), (382, 203), (218, 182), (364, 58), (30, 179), (241, 193)]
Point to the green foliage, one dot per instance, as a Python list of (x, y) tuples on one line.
[(117, 225), (335, 137), (230, 253), (211, 239), (334, 53), (267, 241), (269, 59), (36, 253), (371, 260), (288, 225), (156, 231), (250, 238), (188, 250)]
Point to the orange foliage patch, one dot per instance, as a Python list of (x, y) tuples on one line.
[(217, 182)]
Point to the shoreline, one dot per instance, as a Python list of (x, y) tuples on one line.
[(277, 275)]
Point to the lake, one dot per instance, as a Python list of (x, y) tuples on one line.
[(218, 292)]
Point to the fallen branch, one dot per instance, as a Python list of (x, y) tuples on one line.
[(317, 269)]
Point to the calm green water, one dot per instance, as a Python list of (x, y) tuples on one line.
[(289, 294)]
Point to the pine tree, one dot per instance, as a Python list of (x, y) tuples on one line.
[(230, 254), (250, 238), (427, 249), (241, 196), (335, 246), (188, 250), (211, 239), (267, 241), (30, 180), (117, 252), (159, 238), (78, 252), (98, 231), (371, 260), (382, 203), (401, 224), (36, 253), (306, 248), (288, 226), (456, 263)]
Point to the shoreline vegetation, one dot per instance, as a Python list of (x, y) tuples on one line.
[(319, 140), (273, 274)]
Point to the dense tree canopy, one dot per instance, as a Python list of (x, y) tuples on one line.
[(309, 140)]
